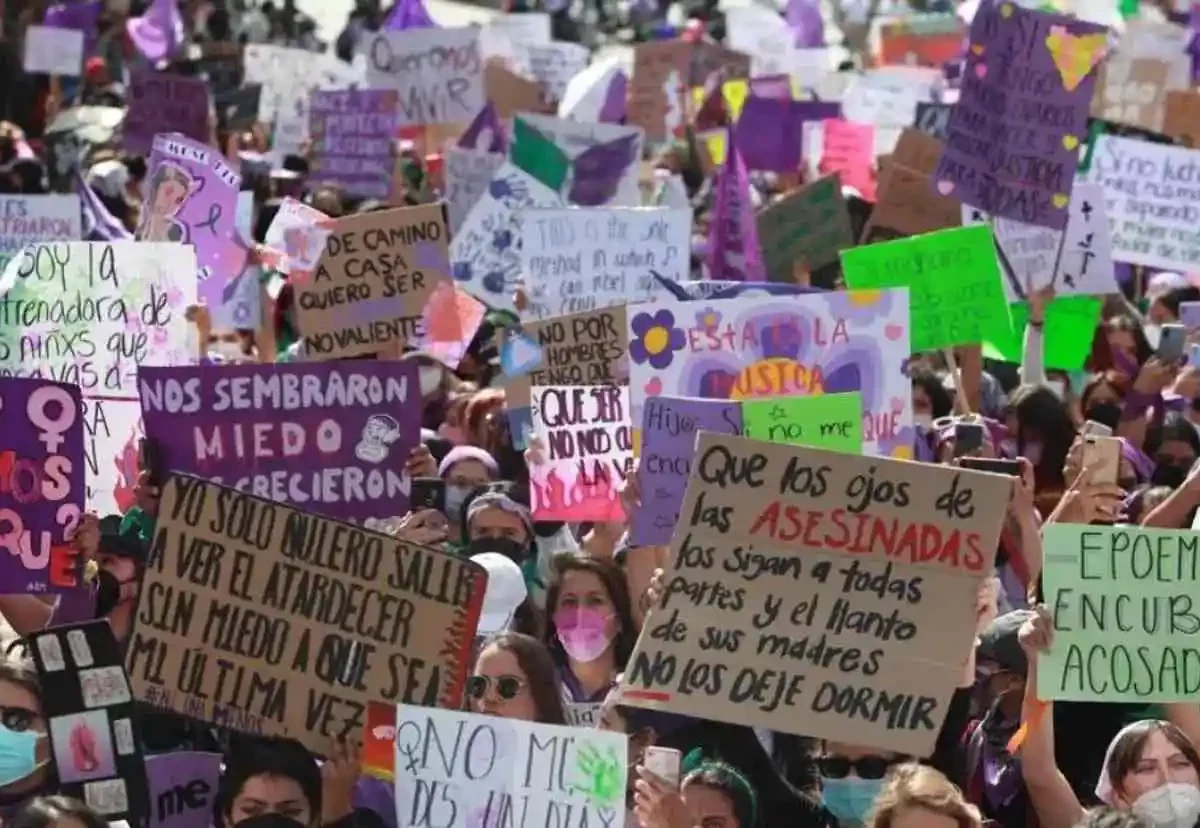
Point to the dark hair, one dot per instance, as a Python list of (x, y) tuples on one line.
[(1172, 299), (1127, 324), (723, 777), (44, 811), (255, 756), (19, 671), (1173, 428), (1126, 749), (1103, 817), (534, 660), (1038, 408), (613, 579), (1112, 379), (928, 382)]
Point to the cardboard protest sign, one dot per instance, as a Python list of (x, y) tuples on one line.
[(50, 50), (501, 770), (906, 203), (953, 280), (765, 346), (669, 427), (819, 593), (352, 133), (1068, 332), (581, 259), (1134, 91), (1151, 204), (664, 71), (437, 73), (921, 40), (1013, 138), (373, 281), (810, 225), (264, 619), (511, 93), (832, 422), (587, 451), (29, 219), (160, 102), (41, 486), (1181, 117), (1119, 597), (467, 173), (86, 701), (329, 437), (183, 788)]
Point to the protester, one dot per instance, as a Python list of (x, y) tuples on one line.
[(515, 678)]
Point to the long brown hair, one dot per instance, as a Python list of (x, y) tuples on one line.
[(535, 662), (1127, 750), (615, 585)]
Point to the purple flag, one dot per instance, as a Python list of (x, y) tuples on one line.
[(807, 25), (669, 426), (196, 775), (614, 108), (733, 253), (79, 16), (158, 33), (409, 14), (328, 437), (98, 223), (1194, 44), (41, 454), (486, 124), (352, 133), (768, 134)]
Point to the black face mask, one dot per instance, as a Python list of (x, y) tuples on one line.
[(510, 549), (1167, 474), (1105, 413), (269, 820), (108, 593)]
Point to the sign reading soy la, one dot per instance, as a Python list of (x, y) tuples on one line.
[(819, 593), (264, 619)]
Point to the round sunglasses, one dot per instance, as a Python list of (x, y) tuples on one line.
[(507, 687), (867, 767)]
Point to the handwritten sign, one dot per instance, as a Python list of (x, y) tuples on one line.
[(237, 623), (826, 421), (467, 173), (162, 103), (811, 225), (297, 237), (554, 64), (50, 50), (352, 133), (1120, 597), (664, 71), (28, 219), (907, 204), (584, 144), (819, 593), (183, 788), (437, 72)]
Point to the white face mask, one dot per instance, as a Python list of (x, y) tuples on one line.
[(923, 420), (1173, 805)]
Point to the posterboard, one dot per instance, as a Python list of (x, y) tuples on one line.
[(491, 771), (50, 50), (832, 422), (818, 593), (1151, 201), (810, 226), (587, 452), (352, 133), (328, 437), (554, 64), (467, 173), (30, 219), (664, 71), (41, 486), (1181, 117), (1120, 598), (183, 788), (576, 138), (373, 281), (160, 102), (1133, 90), (907, 203), (223, 562), (297, 237), (437, 73), (579, 258), (780, 346)]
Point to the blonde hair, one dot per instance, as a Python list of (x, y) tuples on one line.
[(917, 786)]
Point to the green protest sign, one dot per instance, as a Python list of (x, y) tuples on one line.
[(824, 421), (1067, 341), (1126, 615), (953, 277)]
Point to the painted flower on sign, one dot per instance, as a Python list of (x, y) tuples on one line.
[(656, 339)]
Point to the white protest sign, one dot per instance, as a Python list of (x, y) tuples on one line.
[(53, 51), (438, 73), (554, 64), (573, 137), (27, 219), (506, 36), (112, 429), (1153, 195), (466, 173), (887, 97), (761, 34), (580, 259), (296, 237)]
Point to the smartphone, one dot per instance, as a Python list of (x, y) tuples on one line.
[(1194, 356), (1094, 429), (1170, 346), (427, 493), (968, 437), (1012, 468), (1103, 456), (663, 763)]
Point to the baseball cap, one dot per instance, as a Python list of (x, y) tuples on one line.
[(504, 593)]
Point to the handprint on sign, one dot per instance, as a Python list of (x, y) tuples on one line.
[(599, 776)]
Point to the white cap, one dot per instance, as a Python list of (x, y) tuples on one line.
[(504, 593)]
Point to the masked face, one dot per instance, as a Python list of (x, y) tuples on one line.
[(583, 633), (111, 590), (849, 799), (509, 548), (1173, 805)]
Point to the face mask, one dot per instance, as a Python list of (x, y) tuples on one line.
[(582, 633), (849, 799), (1173, 805), (1166, 474), (1105, 413), (108, 593), (923, 420), (456, 496), (18, 754), (268, 820), (510, 549)]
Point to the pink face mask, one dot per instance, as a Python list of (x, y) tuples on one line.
[(583, 633)]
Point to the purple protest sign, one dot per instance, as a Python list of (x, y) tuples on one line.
[(352, 132), (768, 134), (41, 485), (328, 437), (669, 426), (772, 86), (182, 788), (164, 103), (1012, 141), (190, 196), (733, 253)]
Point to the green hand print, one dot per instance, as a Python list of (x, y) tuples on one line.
[(599, 775)]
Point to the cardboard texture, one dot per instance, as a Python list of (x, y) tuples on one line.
[(664, 71), (510, 93), (810, 225), (1181, 117), (373, 281), (265, 619), (907, 203), (878, 559), (1132, 91)]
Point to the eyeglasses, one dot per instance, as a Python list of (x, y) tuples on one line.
[(867, 767), (507, 687)]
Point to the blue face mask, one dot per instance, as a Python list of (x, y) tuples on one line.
[(851, 798), (18, 754)]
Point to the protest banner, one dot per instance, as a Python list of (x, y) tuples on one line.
[(352, 133), (664, 71), (580, 259), (237, 108), (329, 437), (768, 133), (29, 219), (921, 40), (554, 64), (267, 620), (1150, 189), (373, 281), (765, 346), (848, 148), (1133, 91), (1069, 329), (809, 226), (467, 173), (162, 103), (953, 280), (297, 237), (1121, 599), (41, 486), (669, 426), (819, 593), (489, 771), (832, 422), (1181, 117), (50, 50), (584, 146), (587, 451), (437, 73), (183, 788), (1013, 138)]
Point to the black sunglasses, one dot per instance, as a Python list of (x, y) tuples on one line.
[(867, 767), (507, 687)]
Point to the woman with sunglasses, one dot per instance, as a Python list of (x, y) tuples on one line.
[(851, 777), (514, 678)]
